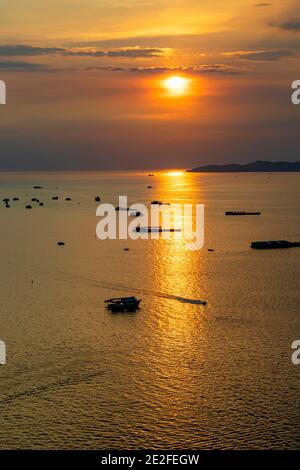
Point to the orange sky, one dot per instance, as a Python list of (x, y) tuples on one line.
[(85, 83)]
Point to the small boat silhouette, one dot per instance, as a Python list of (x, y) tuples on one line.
[(273, 244), (242, 213), (155, 229), (122, 304)]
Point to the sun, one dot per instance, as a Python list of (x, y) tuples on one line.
[(175, 173), (176, 85)]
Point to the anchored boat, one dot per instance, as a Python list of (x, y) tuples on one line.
[(242, 213), (273, 244), (155, 229)]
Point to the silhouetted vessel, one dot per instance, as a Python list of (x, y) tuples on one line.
[(159, 203), (273, 244), (129, 304), (242, 213), (155, 229)]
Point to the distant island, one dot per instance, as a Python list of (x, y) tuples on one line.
[(259, 165)]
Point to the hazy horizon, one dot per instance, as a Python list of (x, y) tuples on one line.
[(137, 170)]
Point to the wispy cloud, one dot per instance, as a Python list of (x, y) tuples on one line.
[(289, 25), (10, 65), (136, 52), (261, 55), (22, 50), (19, 50), (218, 69), (262, 5)]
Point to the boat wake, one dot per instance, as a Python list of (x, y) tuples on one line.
[(124, 288), (190, 301)]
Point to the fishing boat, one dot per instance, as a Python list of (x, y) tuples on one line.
[(123, 304), (274, 244), (242, 213)]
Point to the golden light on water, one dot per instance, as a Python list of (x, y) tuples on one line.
[(176, 85), (175, 173)]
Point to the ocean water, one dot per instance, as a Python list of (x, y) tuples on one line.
[(174, 374)]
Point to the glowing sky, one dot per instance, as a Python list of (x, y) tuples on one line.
[(85, 82)]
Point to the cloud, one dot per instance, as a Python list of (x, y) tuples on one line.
[(83, 52), (9, 65), (290, 25), (130, 52), (262, 5), (9, 50), (219, 69), (20, 50), (136, 52), (262, 55)]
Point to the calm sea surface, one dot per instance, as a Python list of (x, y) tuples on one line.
[(174, 374)]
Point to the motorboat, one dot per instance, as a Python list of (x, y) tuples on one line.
[(123, 304)]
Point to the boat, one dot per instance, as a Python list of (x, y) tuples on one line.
[(242, 213), (123, 304), (155, 229), (273, 244), (159, 203)]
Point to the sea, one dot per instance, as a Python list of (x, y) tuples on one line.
[(175, 374)]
